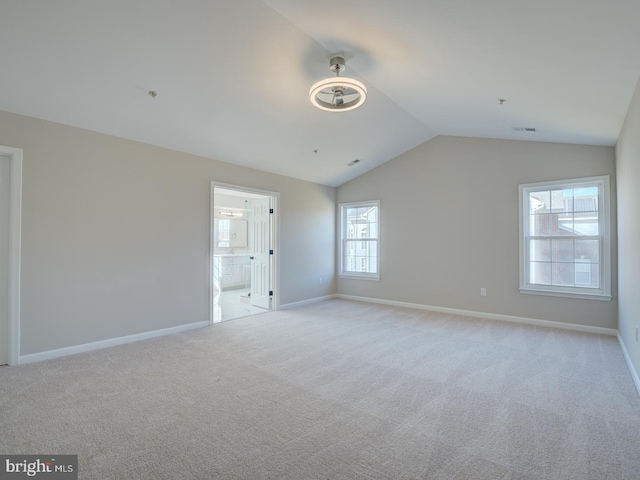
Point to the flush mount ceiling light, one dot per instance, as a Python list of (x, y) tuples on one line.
[(338, 94)]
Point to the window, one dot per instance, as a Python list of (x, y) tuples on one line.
[(224, 232), (360, 246), (565, 249)]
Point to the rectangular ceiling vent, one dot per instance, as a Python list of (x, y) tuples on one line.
[(524, 129), (353, 163)]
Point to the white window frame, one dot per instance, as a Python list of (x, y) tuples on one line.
[(604, 232), (342, 207)]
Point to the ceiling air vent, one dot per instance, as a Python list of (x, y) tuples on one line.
[(524, 129), (351, 164)]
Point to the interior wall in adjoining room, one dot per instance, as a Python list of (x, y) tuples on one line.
[(116, 234), (628, 171), (449, 225)]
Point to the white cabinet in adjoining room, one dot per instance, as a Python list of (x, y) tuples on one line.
[(234, 270)]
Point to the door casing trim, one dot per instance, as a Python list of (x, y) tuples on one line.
[(15, 226)]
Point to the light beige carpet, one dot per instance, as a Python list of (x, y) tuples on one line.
[(335, 390)]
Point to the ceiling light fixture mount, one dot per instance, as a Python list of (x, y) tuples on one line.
[(338, 94)]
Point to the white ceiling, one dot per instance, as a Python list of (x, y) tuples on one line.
[(233, 76)]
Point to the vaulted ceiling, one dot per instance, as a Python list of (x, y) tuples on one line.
[(233, 77)]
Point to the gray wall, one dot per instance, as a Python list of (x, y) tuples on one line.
[(628, 171), (115, 234), (449, 225)]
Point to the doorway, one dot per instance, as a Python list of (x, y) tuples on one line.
[(242, 252), (10, 214)]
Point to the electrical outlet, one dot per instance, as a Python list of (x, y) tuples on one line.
[(483, 292), (319, 280)]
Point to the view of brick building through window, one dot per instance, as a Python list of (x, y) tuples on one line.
[(564, 237)]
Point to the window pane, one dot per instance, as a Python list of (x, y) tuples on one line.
[(349, 260), (373, 230), (540, 250), (372, 214), (589, 204), (587, 251), (565, 225), (540, 273), (539, 201), (562, 201), (583, 274), (541, 224), (373, 265), (586, 223), (595, 275), (562, 274), (349, 263), (587, 275), (562, 250), (550, 224), (351, 215), (586, 199)]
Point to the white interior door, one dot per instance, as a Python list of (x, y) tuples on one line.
[(5, 178), (260, 259)]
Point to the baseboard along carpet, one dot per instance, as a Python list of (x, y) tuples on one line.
[(335, 390)]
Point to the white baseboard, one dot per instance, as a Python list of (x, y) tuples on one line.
[(112, 342), (307, 302), (632, 369), (489, 316)]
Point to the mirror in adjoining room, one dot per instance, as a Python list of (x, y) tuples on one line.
[(231, 233)]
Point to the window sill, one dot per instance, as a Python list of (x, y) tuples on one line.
[(374, 278), (583, 296)]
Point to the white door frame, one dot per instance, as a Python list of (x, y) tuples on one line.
[(275, 234), (15, 221)]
